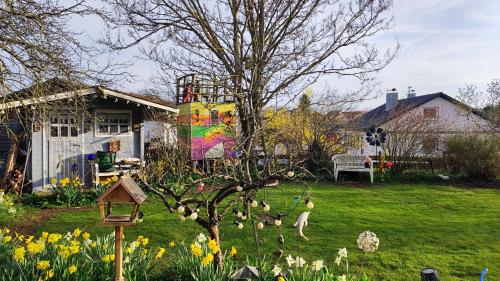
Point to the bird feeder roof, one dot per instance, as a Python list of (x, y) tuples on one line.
[(124, 190), (246, 273)]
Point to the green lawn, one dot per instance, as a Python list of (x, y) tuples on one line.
[(452, 229)]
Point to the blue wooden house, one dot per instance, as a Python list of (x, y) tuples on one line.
[(63, 142)]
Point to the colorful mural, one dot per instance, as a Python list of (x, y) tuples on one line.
[(210, 129)]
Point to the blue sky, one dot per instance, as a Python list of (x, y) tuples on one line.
[(444, 44)]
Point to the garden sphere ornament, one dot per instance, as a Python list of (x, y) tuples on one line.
[(260, 225), (309, 203), (239, 188), (238, 224), (290, 174), (265, 206), (182, 218), (277, 222)]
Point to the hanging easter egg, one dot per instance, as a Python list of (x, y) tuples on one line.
[(310, 205), (277, 222), (238, 224), (254, 204), (260, 225), (267, 208), (239, 214), (290, 174), (181, 209), (182, 218), (239, 188), (200, 187), (194, 215), (243, 217)]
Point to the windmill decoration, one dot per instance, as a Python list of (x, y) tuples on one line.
[(375, 137)]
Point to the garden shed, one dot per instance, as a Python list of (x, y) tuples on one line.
[(81, 121)]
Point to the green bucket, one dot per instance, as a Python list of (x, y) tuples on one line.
[(106, 161)]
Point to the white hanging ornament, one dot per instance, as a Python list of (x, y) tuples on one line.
[(181, 209), (254, 204), (290, 174), (309, 204), (277, 222), (265, 206), (239, 214), (260, 225), (239, 188), (243, 217), (194, 215), (182, 218), (238, 224)]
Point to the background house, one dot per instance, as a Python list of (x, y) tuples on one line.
[(421, 123), (82, 120)]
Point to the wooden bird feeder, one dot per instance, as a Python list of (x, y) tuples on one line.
[(125, 190)]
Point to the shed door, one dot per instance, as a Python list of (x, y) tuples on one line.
[(65, 151)]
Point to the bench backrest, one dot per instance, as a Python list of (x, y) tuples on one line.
[(346, 160)]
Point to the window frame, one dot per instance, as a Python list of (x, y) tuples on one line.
[(111, 112), (431, 108), (68, 125)]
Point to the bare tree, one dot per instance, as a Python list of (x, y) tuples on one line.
[(266, 48), (485, 103)]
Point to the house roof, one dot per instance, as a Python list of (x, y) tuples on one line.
[(379, 115), (129, 185), (58, 89)]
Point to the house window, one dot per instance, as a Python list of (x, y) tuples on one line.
[(63, 126), (430, 112), (113, 123), (429, 145)]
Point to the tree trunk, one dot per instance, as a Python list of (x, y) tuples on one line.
[(214, 235), (11, 156)]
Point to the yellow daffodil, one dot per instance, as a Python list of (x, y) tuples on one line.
[(196, 250), (233, 251), (212, 245), (106, 258), (19, 254), (72, 269), (43, 265), (139, 239), (20, 238), (93, 244), (160, 253), (35, 248), (7, 231), (145, 241), (77, 232), (64, 252), (64, 182), (281, 278), (74, 243), (49, 274), (29, 239), (129, 250), (53, 181), (45, 235), (171, 244), (114, 178), (144, 252), (86, 236), (54, 237), (207, 259), (74, 249), (7, 238)]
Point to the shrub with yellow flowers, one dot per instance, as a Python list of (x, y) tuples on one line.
[(74, 256), (67, 191), (196, 260)]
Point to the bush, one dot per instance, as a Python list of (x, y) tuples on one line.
[(74, 256), (475, 156)]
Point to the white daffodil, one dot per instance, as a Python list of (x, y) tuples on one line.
[(299, 262), (342, 278), (342, 253), (68, 236), (290, 260), (338, 260), (317, 265), (201, 238), (276, 270)]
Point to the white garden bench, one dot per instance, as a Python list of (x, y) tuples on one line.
[(351, 163)]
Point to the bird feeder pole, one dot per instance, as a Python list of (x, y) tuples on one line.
[(118, 253)]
